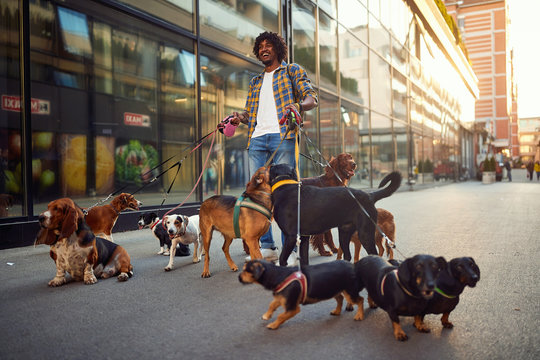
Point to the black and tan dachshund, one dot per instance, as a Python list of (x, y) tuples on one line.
[(459, 273), (403, 290), (315, 283), (322, 209)]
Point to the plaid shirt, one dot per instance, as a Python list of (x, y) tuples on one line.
[(283, 94)]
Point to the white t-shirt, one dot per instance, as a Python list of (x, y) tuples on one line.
[(267, 118)]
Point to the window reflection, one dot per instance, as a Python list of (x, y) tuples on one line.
[(382, 146), (329, 125), (355, 120), (380, 84), (178, 12), (354, 16), (303, 17), (237, 23), (328, 51), (353, 67)]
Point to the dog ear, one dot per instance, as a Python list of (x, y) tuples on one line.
[(69, 225), (45, 236), (257, 270), (328, 168), (405, 270), (441, 261)]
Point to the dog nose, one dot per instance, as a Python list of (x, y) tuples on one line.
[(41, 218), (171, 231)]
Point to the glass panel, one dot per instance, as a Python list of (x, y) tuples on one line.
[(355, 120), (380, 86), (330, 143), (329, 6), (382, 146), (374, 7), (353, 67), (399, 96), (224, 89), (400, 132), (354, 17), (399, 57), (401, 24), (236, 23), (303, 17), (328, 51), (178, 12), (379, 38), (11, 191), (416, 153)]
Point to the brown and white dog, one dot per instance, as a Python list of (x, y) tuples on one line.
[(76, 250), (343, 165), (101, 219), (183, 230)]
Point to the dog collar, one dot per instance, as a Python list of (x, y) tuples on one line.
[(445, 294), (295, 276), (283, 182)]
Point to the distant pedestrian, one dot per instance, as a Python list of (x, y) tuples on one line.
[(508, 168), (537, 170), (530, 170)]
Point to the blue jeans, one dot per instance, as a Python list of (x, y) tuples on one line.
[(260, 150)]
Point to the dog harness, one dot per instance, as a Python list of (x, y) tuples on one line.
[(395, 272), (445, 294), (244, 201), (295, 276)]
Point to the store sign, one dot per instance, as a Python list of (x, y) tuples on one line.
[(132, 119), (37, 106)]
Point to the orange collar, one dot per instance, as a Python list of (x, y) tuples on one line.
[(295, 276), (283, 182)]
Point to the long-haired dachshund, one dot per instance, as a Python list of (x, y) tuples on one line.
[(292, 288), (343, 165), (217, 213), (459, 273), (101, 219), (323, 209), (402, 290)]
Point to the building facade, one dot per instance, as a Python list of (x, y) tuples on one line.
[(484, 26), (529, 139), (106, 96)]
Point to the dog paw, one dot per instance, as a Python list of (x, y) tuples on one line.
[(90, 280), (266, 316), (160, 252), (359, 316), (326, 253), (273, 326), (447, 325), (401, 336), (349, 307), (196, 260), (166, 253), (206, 274), (123, 277), (168, 268), (57, 281), (335, 312)]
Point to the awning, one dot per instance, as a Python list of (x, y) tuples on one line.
[(500, 143)]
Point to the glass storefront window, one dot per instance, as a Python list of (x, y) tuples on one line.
[(379, 38), (303, 18), (382, 147), (353, 67), (355, 120), (237, 23), (328, 6), (178, 12), (224, 89), (328, 52), (380, 84), (11, 172), (399, 96), (400, 133), (354, 17), (330, 142)]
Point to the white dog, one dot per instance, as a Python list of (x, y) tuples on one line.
[(185, 230)]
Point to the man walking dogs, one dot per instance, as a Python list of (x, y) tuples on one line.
[(279, 87)]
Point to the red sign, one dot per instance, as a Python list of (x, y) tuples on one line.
[(132, 119), (37, 106)]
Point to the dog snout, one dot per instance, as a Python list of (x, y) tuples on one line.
[(41, 218)]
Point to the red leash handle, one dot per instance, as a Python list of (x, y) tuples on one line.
[(291, 115), (226, 127)]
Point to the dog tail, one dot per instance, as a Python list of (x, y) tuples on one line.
[(394, 178)]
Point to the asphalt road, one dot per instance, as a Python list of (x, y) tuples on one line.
[(179, 315)]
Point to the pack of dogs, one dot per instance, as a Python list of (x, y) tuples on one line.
[(81, 245)]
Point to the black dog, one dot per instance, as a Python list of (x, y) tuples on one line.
[(314, 283), (322, 209), (459, 273), (403, 290), (152, 221)]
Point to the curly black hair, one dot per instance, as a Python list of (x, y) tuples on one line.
[(276, 40)]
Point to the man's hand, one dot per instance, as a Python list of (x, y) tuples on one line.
[(238, 118)]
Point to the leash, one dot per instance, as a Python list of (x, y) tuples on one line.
[(389, 242)]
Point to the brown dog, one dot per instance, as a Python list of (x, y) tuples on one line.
[(76, 250), (385, 220), (217, 213), (101, 219), (344, 165)]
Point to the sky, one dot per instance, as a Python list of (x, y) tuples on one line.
[(525, 37)]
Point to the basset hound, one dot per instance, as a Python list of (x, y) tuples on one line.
[(101, 219), (76, 250)]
